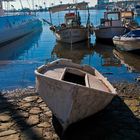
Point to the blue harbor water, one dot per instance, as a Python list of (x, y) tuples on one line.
[(19, 59)]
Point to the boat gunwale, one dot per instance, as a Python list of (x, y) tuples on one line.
[(102, 27), (111, 91), (71, 28), (132, 39)]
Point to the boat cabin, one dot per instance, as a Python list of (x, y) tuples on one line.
[(72, 19), (127, 14), (117, 18), (127, 17), (111, 19)]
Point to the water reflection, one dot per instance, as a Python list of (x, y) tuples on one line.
[(13, 50), (19, 59), (106, 54), (130, 60), (75, 52), (17, 64)]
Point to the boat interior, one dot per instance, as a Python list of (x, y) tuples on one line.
[(76, 76)]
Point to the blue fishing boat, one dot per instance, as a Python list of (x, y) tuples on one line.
[(16, 26)]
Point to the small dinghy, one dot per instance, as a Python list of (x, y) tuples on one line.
[(129, 41), (72, 91)]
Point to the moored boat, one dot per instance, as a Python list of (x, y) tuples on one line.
[(129, 41), (72, 91), (113, 24), (71, 31), (16, 26)]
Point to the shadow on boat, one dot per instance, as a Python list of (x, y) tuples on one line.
[(106, 54), (13, 50), (130, 60), (115, 122), (76, 52)]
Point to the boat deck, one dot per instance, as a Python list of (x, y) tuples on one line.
[(91, 81)]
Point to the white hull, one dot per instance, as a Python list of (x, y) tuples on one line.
[(127, 44), (109, 32), (13, 27), (71, 102), (72, 35)]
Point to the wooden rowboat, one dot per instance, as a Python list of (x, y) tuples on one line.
[(72, 91)]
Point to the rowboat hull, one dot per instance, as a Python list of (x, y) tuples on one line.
[(72, 35), (69, 101)]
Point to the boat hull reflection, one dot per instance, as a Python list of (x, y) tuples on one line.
[(75, 52), (106, 53), (19, 47), (130, 60)]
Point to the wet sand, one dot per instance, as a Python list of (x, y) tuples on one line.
[(24, 116)]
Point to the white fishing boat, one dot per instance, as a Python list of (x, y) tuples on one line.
[(73, 91), (113, 24), (129, 41), (16, 26), (71, 31)]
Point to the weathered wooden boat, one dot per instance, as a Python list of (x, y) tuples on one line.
[(113, 24), (71, 31), (72, 91), (129, 41)]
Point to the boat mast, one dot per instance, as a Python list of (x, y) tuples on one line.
[(29, 4), (33, 7), (58, 13), (1, 4), (50, 15), (1, 8), (21, 4), (88, 22)]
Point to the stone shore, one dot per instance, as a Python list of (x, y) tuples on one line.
[(24, 116)]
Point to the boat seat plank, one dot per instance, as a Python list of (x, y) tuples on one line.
[(55, 72), (96, 83)]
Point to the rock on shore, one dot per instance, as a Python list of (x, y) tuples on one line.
[(24, 116)]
